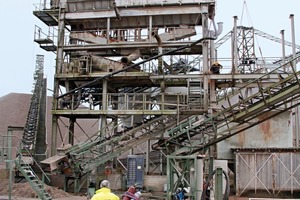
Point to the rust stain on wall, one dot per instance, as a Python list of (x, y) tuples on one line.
[(241, 138), (265, 129)]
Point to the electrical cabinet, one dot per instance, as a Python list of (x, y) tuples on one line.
[(135, 171)]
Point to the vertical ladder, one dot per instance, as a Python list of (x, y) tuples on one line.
[(195, 98)]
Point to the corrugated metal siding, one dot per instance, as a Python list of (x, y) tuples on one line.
[(274, 173)]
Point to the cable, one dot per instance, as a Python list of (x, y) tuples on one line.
[(227, 189)]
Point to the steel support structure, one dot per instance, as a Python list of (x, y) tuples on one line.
[(125, 69), (185, 172), (107, 53), (246, 49)]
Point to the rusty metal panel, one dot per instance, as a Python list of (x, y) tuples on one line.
[(273, 172), (83, 5), (275, 132)]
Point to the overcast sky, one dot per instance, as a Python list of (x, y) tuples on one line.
[(19, 51)]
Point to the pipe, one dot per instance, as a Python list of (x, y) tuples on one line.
[(205, 57), (295, 69), (199, 176), (156, 36), (108, 30), (234, 47), (293, 40), (160, 60), (283, 48), (131, 57), (150, 28), (104, 64), (220, 28), (116, 11), (217, 31)]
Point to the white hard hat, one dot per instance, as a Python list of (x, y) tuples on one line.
[(104, 183)]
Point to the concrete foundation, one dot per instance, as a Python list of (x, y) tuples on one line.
[(155, 183)]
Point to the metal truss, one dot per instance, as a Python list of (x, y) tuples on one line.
[(195, 135)]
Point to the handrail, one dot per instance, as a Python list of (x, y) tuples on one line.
[(242, 115), (20, 153), (127, 101), (235, 92), (39, 34), (93, 140), (96, 80)]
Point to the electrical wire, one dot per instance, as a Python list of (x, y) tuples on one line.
[(210, 177)]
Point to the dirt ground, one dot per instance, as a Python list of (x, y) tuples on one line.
[(23, 191)]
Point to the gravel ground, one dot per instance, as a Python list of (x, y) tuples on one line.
[(84, 198), (23, 191)]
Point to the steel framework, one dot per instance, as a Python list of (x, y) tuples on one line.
[(133, 68)]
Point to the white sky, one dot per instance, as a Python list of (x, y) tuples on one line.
[(18, 51)]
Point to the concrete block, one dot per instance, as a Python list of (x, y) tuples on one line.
[(155, 182)]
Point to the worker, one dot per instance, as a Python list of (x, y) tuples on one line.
[(215, 68), (90, 97), (180, 193), (104, 193), (131, 194)]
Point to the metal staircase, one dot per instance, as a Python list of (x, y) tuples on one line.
[(237, 114), (33, 145), (33, 179), (24, 166)]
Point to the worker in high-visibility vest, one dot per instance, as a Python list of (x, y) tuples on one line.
[(104, 193)]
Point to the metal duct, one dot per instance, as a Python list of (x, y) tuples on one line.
[(131, 57), (160, 60), (217, 31), (156, 36), (105, 64)]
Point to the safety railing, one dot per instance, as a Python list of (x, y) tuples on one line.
[(19, 154), (43, 4), (46, 5), (130, 36), (280, 70), (124, 102), (50, 35), (104, 36)]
